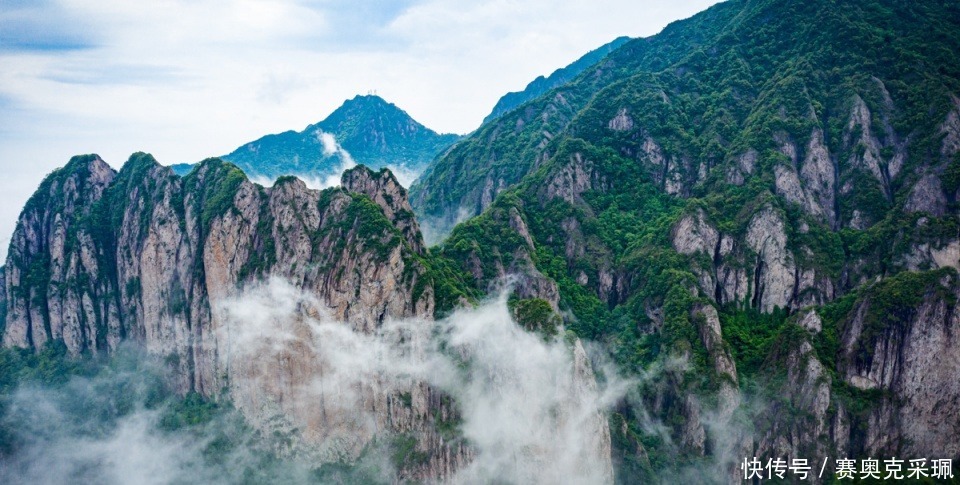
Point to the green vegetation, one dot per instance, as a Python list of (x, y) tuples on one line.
[(405, 453), (893, 302), (51, 399), (536, 315), (215, 186), (752, 337), (600, 204)]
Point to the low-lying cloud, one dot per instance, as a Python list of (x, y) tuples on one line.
[(529, 407)]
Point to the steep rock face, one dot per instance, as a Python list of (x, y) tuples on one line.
[(810, 182), (927, 196), (51, 248), (287, 359), (950, 129), (802, 421), (571, 181), (907, 351), (179, 260), (721, 361), (774, 274), (597, 439)]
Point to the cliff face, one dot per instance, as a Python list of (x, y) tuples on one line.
[(900, 341), (260, 295), (99, 256)]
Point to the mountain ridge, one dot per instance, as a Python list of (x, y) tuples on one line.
[(542, 84)]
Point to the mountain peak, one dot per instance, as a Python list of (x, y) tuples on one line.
[(365, 106), (374, 131)]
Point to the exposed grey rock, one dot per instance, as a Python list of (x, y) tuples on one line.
[(575, 178), (787, 183), (621, 122), (50, 248), (774, 275), (693, 234), (171, 251), (721, 360), (927, 196), (870, 159), (951, 130), (819, 179), (517, 224), (801, 418), (915, 361), (812, 185), (811, 321)]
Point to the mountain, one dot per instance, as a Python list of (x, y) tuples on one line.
[(310, 314), (738, 239), (561, 76), (374, 132), (766, 192)]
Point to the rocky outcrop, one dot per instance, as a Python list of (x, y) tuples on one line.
[(572, 180), (53, 273), (757, 270), (721, 361), (805, 419), (382, 187), (621, 122), (774, 271), (950, 129), (927, 196), (908, 353), (810, 182), (869, 158), (738, 172)]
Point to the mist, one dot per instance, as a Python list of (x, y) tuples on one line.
[(330, 147), (308, 392), (529, 406), (122, 425)]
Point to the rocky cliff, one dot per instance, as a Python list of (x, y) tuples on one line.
[(754, 214)]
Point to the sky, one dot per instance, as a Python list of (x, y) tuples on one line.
[(189, 79)]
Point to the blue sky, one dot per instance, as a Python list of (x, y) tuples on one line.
[(188, 79)]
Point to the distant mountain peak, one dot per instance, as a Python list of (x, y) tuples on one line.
[(374, 131)]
